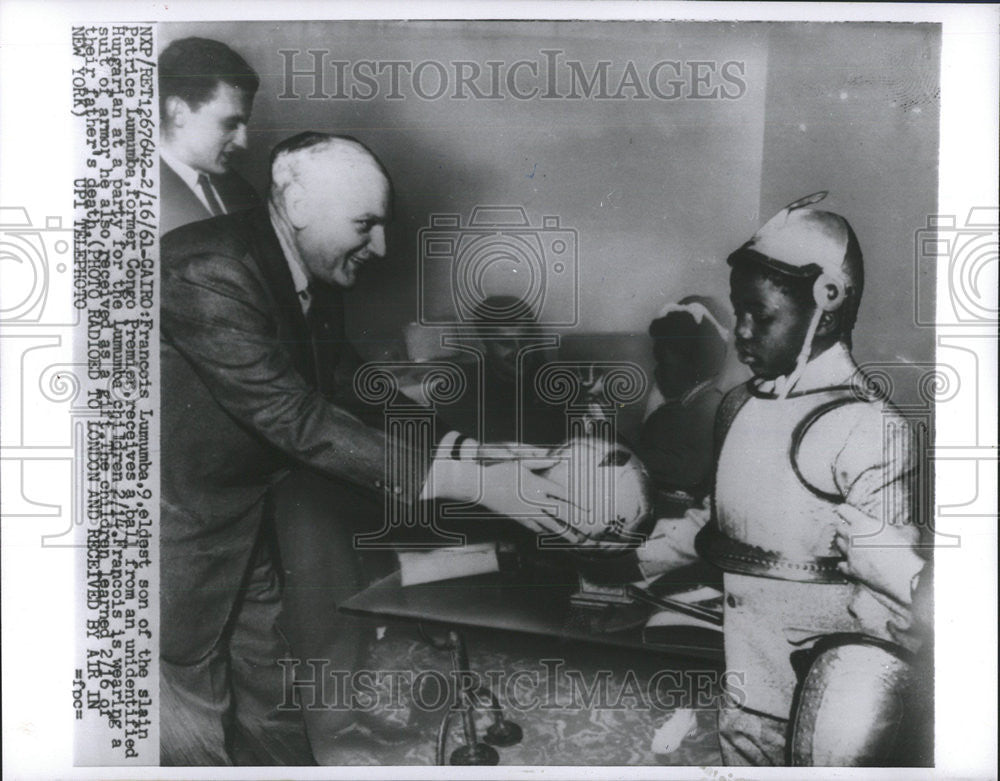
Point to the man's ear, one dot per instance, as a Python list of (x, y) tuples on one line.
[(177, 111), (296, 205)]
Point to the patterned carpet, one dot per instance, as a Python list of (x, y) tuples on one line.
[(576, 705)]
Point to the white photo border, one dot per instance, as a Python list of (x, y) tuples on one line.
[(35, 164)]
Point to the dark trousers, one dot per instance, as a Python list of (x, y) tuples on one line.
[(316, 520), (227, 709), (749, 738), (240, 705)]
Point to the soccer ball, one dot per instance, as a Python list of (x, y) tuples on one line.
[(604, 475)]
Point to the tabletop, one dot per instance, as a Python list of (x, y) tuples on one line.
[(493, 601)]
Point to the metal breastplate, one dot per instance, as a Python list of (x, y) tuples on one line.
[(732, 555), (724, 548)]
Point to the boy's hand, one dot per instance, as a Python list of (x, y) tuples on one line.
[(881, 556)]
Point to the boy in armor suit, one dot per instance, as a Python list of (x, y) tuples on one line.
[(799, 448)]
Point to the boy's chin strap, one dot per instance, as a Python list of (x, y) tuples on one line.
[(803, 359)]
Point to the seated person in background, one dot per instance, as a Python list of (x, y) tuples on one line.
[(501, 398), (689, 344), (675, 444)]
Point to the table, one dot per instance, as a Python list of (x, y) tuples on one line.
[(495, 601)]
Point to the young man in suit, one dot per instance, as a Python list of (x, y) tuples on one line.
[(206, 95), (263, 437)]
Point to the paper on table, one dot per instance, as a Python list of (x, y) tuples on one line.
[(417, 567), (700, 594), (669, 618)]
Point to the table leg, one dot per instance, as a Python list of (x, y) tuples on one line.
[(500, 733), (473, 752)]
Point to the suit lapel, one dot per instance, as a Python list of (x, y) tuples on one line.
[(271, 259), (178, 204), (317, 341), (235, 192)]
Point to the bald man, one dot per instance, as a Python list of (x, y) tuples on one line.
[(263, 441)]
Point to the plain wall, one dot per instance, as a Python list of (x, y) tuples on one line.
[(658, 192), (854, 109)]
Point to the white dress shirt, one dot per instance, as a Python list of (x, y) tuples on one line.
[(296, 265)]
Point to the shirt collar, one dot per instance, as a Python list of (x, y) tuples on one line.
[(292, 257), (834, 366), (187, 174)]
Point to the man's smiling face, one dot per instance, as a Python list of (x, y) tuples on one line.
[(344, 223)]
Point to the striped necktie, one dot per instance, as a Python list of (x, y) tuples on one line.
[(210, 197)]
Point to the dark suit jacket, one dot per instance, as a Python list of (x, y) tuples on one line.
[(179, 206), (245, 393)]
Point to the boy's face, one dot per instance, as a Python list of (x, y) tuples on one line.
[(771, 325)]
